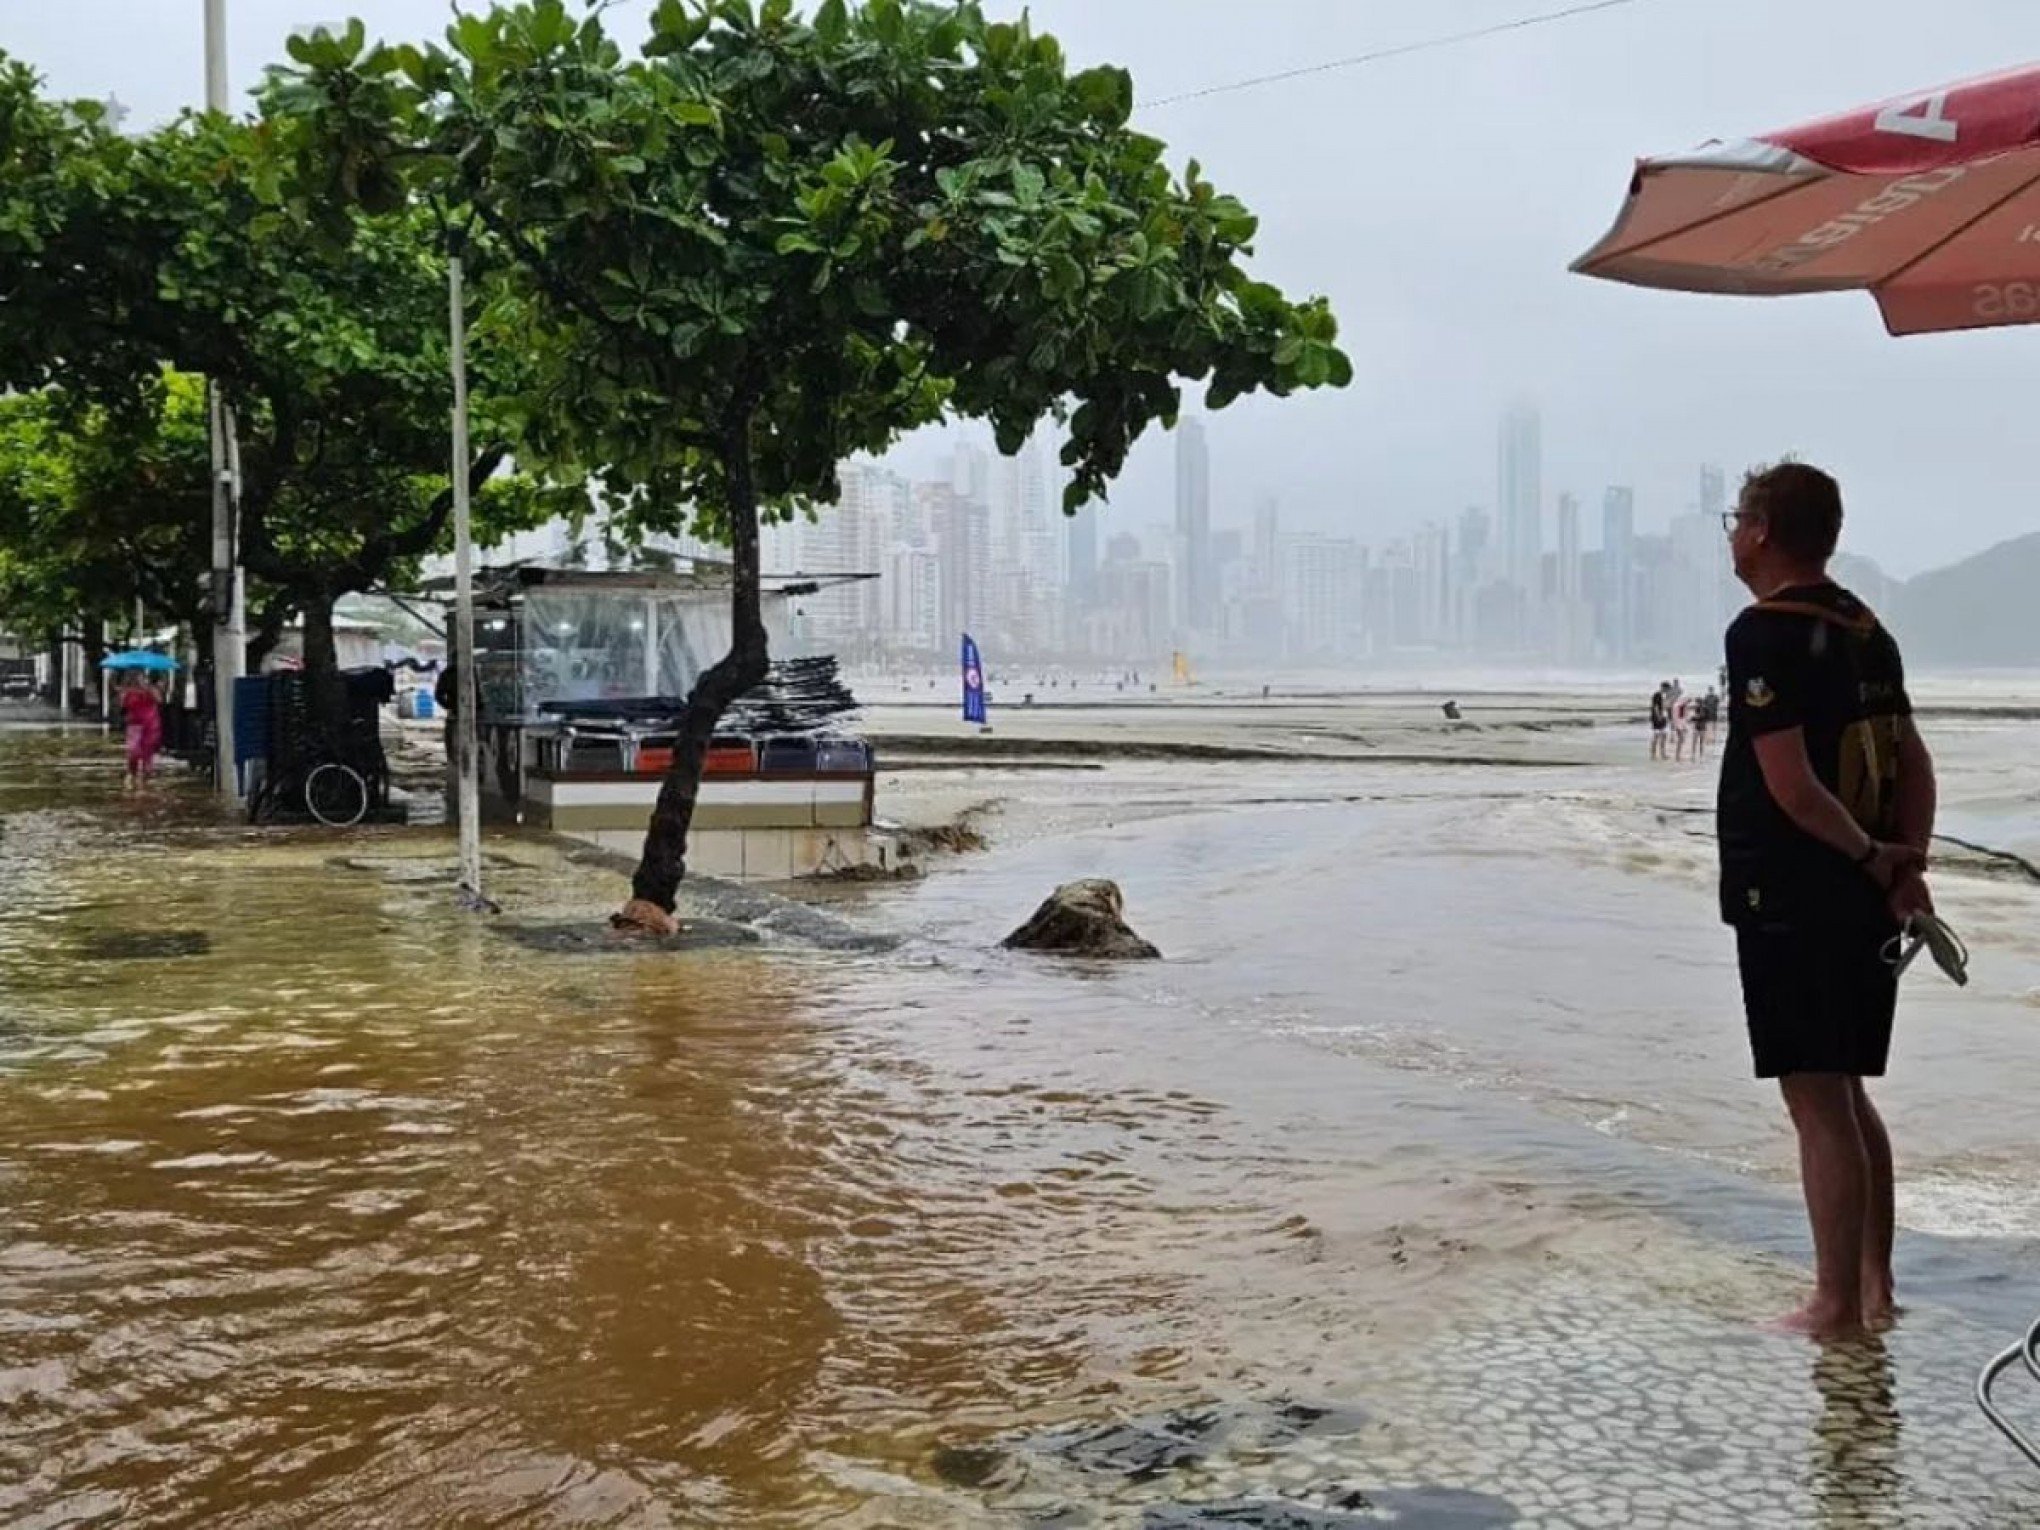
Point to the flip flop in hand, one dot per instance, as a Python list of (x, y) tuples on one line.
[(1930, 933)]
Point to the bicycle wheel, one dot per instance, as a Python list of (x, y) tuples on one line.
[(336, 795)]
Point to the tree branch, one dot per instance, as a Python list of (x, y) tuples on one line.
[(373, 561), (259, 552), (276, 611), (564, 293), (561, 291), (420, 539)]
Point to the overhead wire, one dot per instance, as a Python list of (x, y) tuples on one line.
[(1425, 45)]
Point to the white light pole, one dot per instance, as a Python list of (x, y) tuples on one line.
[(466, 725), (229, 646)]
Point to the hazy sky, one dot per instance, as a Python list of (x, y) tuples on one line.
[(1437, 199)]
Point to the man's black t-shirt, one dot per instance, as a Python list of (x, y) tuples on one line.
[(1657, 709), (1811, 657)]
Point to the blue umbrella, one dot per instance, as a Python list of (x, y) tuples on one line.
[(139, 658)]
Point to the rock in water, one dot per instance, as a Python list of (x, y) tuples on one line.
[(1082, 919)]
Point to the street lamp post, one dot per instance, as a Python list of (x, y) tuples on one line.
[(229, 600), (467, 724)]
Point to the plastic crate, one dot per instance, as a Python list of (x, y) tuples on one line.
[(251, 719), (787, 757), (843, 757), (730, 757)]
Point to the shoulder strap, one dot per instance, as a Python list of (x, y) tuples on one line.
[(1862, 625)]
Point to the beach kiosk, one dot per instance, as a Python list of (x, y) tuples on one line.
[(583, 678)]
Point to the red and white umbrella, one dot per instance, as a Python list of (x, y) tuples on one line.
[(1930, 202)]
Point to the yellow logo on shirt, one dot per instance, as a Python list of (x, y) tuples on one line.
[(1758, 694)]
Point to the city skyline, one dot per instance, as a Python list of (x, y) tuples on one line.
[(1447, 267), (981, 546)]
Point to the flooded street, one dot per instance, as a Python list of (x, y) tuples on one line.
[(1423, 1185)]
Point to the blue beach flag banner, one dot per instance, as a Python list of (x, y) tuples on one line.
[(973, 681)]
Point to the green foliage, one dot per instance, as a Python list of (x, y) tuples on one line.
[(99, 508), (770, 243), (119, 257)]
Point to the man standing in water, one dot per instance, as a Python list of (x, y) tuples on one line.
[(1704, 713), (1826, 810)]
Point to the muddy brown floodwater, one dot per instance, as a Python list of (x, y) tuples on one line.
[(324, 1204)]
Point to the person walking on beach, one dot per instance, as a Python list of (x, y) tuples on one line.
[(1660, 719), (1704, 712), (1682, 725), (1825, 814), (141, 709)]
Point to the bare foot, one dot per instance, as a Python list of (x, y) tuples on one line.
[(1820, 1320), (1880, 1308), (639, 917)]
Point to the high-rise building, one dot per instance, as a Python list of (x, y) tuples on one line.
[(855, 536), (1572, 615), (1267, 574), (1196, 585), (1568, 548), (1042, 547), (1520, 497), (1471, 562), (913, 600), (1323, 589), (1728, 593), (970, 473), (1618, 573), (1228, 546), (1080, 541), (1026, 554), (1713, 492), (1018, 497), (1431, 554), (963, 553), (1696, 615), (1129, 621)]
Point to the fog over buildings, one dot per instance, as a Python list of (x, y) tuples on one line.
[(1527, 464)]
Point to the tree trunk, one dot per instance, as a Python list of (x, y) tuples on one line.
[(327, 697), (663, 864), (267, 631), (95, 650)]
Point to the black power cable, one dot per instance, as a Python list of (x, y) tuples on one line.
[(1453, 39)]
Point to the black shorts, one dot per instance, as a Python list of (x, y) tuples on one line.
[(1818, 1000)]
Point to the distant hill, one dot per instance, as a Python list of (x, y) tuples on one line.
[(1984, 611), (1877, 589)]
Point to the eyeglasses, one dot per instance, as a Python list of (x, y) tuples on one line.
[(1730, 519)]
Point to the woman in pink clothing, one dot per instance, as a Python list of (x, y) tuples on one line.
[(143, 709)]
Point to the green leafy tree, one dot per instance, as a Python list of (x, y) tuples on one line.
[(100, 510), (119, 256), (771, 242)]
